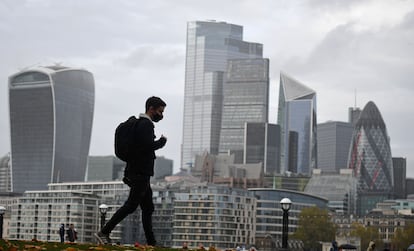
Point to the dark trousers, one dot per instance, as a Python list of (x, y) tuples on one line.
[(140, 194)]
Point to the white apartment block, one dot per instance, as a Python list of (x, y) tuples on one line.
[(214, 215), (38, 215)]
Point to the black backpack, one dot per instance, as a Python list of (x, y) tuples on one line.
[(124, 138)]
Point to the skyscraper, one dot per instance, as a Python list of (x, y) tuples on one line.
[(370, 159), (353, 114), (262, 145), (51, 111), (245, 100), (400, 175), (334, 138), (297, 118), (210, 45)]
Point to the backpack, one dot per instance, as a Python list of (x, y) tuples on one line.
[(124, 138)]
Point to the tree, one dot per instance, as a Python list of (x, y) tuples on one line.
[(366, 235), (403, 237), (314, 226)]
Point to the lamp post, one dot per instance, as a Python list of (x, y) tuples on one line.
[(2, 211), (285, 203), (103, 208)]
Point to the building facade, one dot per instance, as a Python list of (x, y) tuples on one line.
[(245, 99), (38, 215), (104, 168), (297, 114), (163, 167), (370, 159), (210, 45), (334, 138), (400, 176), (409, 184), (262, 145), (51, 112), (111, 193), (339, 188), (353, 114), (214, 216), (269, 214), (5, 174)]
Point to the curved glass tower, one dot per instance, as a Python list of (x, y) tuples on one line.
[(51, 112), (370, 159)]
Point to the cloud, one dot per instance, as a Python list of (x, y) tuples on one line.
[(137, 49)]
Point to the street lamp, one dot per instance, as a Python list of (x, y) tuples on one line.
[(285, 203), (103, 208), (2, 211)]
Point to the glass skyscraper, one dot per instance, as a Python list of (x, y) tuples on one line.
[(297, 120), (262, 145), (51, 112), (370, 159), (210, 45), (400, 175), (245, 100)]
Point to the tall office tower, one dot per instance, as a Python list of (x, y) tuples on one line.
[(400, 176), (334, 138), (370, 159), (353, 114), (209, 47), (5, 174), (245, 100), (297, 114), (409, 184), (262, 145), (51, 111)]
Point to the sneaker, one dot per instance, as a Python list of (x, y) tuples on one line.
[(102, 238)]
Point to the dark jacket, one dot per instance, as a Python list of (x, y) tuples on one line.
[(62, 230), (142, 163), (71, 234)]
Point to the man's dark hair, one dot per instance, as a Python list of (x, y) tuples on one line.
[(155, 102)]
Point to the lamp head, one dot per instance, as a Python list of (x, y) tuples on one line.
[(2, 210), (103, 208), (285, 203)]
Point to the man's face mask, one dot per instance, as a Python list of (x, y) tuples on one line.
[(157, 117), (158, 114)]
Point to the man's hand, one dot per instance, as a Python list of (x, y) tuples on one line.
[(162, 140)]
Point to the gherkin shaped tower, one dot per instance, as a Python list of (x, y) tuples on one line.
[(370, 159)]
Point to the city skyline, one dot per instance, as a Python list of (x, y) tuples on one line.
[(334, 48)]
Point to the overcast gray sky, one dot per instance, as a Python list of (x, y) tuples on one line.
[(137, 48)]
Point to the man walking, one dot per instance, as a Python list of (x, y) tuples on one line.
[(62, 233), (138, 170)]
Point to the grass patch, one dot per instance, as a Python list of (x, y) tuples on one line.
[(15, 245)]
